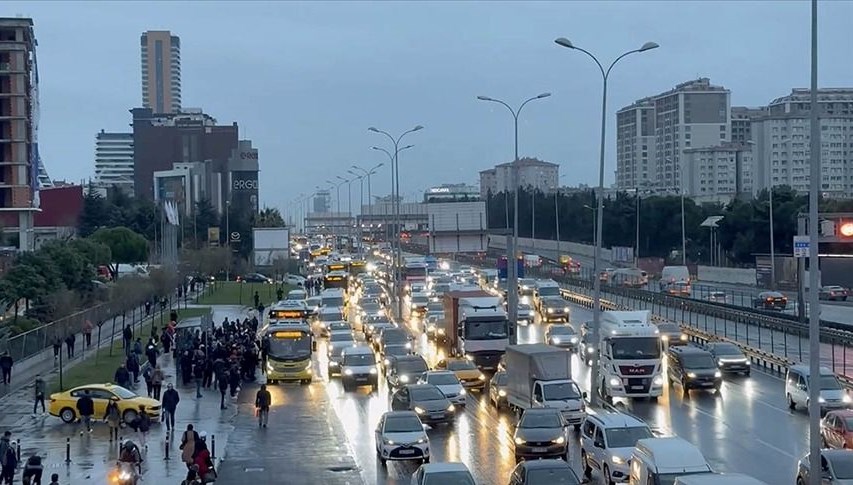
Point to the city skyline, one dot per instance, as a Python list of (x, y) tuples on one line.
[(293, 88)]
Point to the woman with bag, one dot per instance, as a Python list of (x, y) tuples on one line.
[(203, 461), (113, 418), (188, 444)]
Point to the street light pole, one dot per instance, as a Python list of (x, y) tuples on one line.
[(683, 237), (596, 311), (228, 239), (512, 242), (396, 164)]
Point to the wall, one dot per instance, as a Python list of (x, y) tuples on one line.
[(739, 276), (548, 249)]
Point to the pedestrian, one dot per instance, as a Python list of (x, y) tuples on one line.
[(54, 479), (7, 472), (86, 408), (122, 376), (87, 332), (263, 399), (57, 349), (70, 340), (126, 338), (188, 442), (137, 347), (279, 294), (166, 341), (207, 380), (222, 380), (203, 461), (112, 416), (39, 394), (151, 353), (143, 425), (170, 405), (133, 366), (148, 308), (157, 378), (257, 298), (234, 380), (6, 363), (33, 470), (147, 374), (198, 375)]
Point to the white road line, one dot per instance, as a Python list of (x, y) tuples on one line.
[(776, 448)]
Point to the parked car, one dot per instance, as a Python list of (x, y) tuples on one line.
[(833, 293), (770, 300)]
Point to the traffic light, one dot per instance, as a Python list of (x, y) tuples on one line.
[(845, 229)]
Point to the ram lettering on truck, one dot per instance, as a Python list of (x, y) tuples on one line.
[(477, 326), (630, 351)]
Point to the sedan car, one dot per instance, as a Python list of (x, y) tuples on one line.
[(466, 371), (448, 473), (554, 310), (293, 279), (729, 357), (541, 433), (255, 278), (449, 385), (671, 334), (836, 429), (405, 369), (497, 389), (391, 352), (718, 297), (400, 436), (64, 404), (544, 472), (770, 300), (427, 401), (434, 326), (374, 326), (526, 314), (836, 468), (563, 336), (833, 293)]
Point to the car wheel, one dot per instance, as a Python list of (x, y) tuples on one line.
[(129, 416), (383, 462), (67, 415), (791, 404), (587, 470), (606, 472)]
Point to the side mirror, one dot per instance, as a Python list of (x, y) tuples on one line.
[(598, 444), (314, 346), (584, 395)]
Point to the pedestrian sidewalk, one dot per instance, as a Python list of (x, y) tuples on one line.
[(93, 456)]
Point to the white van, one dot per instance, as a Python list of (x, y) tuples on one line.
[(718, 479), (832, 393), (629, 278), (662, 460), (673, 274)]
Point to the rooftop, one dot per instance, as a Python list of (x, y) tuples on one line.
[(527, 162)]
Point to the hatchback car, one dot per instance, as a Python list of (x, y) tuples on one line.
[(693, 368), (730, 358), (400, 436), (466, 371), (427, 401), (836, 429), (406, 369), (544, 472), (836, 468), (446, 382), (541, 433), (498, 389), (448, 473), (718, 297), (833, 293), (526, 314), (563, 336)]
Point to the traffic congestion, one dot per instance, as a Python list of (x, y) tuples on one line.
[(432, 382)]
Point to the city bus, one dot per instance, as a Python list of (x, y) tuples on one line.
[(336, 279), (357, 267), (288, 310), (336, 266), (290, 347)]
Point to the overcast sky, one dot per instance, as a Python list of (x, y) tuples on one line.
[(305, 80)]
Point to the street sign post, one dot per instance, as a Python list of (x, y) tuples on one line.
[(801, 246)]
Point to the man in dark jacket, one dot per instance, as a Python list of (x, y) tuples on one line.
[(6, 365), (170, 405), (86, 408), (70, 340), (263, 399), (133, 366), (122, 376), (127, 338)]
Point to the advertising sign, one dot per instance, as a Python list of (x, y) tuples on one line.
[(213, 236)]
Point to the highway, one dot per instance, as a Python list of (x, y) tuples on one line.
[(744, 430)]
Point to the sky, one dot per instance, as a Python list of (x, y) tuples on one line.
[(304, 80)]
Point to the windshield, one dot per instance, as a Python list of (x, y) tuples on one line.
[(394, 335), (411, 367), (435, 306), (442, 288), (332, 301), (669, 328), (829, 383), (448, 478), (669, 478), (698, 361), (416, 272), (540, 420), (549, 291), (396, 350), (563, 330), (290, 347), (123, 393), (420, 300), (843, 467), (461, 365), (403, 424), (370, 307), (359, 359), (331, 316), (442, 379), (727, 349), (341, 337), (626, 437), (561, 392), (426, 394), (486, 330), (635, 348), (552, 476), (500, 378), (524, 307), (339, 326)]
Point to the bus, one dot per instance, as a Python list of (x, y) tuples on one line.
[(290, 347), (357, 267), (288, 310), (336, 279), (336, 266)]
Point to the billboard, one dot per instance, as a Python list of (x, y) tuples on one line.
[(270, 244), (213, 236), (173, 189), (244, 192)]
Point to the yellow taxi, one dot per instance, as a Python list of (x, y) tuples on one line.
[(64, 404), (466, 371)]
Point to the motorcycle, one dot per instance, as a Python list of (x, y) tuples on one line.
[(125, 474)]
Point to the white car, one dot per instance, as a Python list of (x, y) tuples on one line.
[(449, 385), (454, 473), (294, 279), (607, 443), (400, 436)]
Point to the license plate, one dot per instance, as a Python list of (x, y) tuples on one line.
[(437, 415), (361, 379), (407, 452), (540, 450), (637, 387)]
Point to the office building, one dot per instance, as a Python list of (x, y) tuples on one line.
[(782, 137), (114, 161), (653, 132), (452, 193), (719, 173), (161, 71), (532, 173), (322, 201), (19, 157)]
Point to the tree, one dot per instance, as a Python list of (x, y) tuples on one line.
[(269, 217), (95, 253), (26, 283), (125, 246), (95, 213), (195, 229), (74, 270)]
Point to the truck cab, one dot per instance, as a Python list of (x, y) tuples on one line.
[(661, 461), (546, 289), (477, 326), (630, 355)]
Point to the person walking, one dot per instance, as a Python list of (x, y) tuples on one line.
[(70, 340), (133, 366), (257, 299), (198, 375), (157, 378), (143, 425), (188, 443), (222, 381), (112, 416), (126, 338), (151, 353), (263, 399), (6, 363), (39, 394), (149, 383), (122, 376), (57, 349), (54, 479), (7, 458), (137, 347), (169, 406), (87, 332), (166, 341), (148, 308), (86, 408), (203, 461)]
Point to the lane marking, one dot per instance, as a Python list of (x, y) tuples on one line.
[(775, 448)]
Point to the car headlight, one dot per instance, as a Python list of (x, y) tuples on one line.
[(386, 361), (821, 400), (618, 460), (389, 442), (718, 374), (574, 340), (615, 382), (691, 375), (684, 337), (373, 370), (408, 345), (404, 378), (347, 372), (422, 440), (124, 475), (555, 340), (519, 441), (502, 393), (560, 440), (482, 377), (451, 408), (658, 380), (462, 392), (441, 331), (419, 410), (590, 349), (550, 310), (664, 337), (566, 309)]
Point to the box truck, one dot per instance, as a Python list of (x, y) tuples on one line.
[(476, 326)]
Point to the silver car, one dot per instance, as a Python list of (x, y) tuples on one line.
[(836, 468)]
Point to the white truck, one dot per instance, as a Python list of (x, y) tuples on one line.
[(476, 326), (630, 355), (540, 376), (663, 460)]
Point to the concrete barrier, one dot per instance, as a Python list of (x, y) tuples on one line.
[(548, 248), (738, 276)]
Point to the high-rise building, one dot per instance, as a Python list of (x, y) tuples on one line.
[(742, 123), (114, 160), (19, 156), (161, 71), (782, 137), (532, 173), (653, 133), (322, 201), (718, 173)]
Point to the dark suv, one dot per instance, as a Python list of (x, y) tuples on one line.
[(693, 368)]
